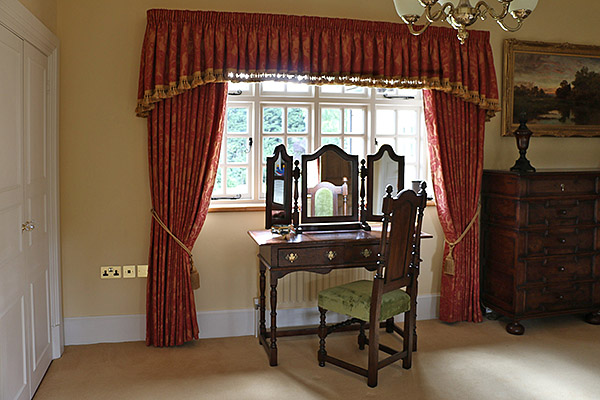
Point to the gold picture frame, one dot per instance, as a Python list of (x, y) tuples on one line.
[(556, 84)]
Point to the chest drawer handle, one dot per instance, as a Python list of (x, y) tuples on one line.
[(563, 212), (562, 187), (562, 240), (561, 269), (331, 255), (366, 253), (561, 297), (291, 257)]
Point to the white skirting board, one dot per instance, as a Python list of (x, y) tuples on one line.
[(212, 324)]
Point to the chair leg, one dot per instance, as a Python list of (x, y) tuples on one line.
[(362, 338), (389, 325), (415, 339), (373, 354), (408, 339), (322, 335)]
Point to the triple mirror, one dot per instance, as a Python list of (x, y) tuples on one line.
[(330, 187)]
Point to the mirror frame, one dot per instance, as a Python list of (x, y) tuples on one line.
[(353, 178), (371, 158), (287, 160)]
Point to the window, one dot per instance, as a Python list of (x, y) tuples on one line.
[(261, 116)]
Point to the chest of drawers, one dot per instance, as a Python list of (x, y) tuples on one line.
[(540, 244)]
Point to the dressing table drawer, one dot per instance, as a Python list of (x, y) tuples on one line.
[(325, 255), (362, 253)]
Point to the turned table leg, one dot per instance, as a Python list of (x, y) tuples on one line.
[(515, 328), (273, 347), (261, 301)]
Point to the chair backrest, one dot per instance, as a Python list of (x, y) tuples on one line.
[(402, 222), (324, 199)]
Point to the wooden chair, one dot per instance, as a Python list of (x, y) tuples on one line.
[(381, 299), (324, 199)]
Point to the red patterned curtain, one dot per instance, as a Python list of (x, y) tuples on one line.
[(186, 49), (184, 141), (455, 136), (183, 51)]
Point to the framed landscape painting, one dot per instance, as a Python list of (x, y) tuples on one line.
[(556, 85)]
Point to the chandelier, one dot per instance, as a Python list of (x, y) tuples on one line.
[(463, 14)]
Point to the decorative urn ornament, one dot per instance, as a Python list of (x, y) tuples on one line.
[(523, 134)]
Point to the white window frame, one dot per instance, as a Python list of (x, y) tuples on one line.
[(315, 101), (284, 103), (250, 164)]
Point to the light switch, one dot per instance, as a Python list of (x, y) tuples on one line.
[(142, 271)]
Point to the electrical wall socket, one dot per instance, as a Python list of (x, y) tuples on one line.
[(142, 271), (128, 271), (110, 272)]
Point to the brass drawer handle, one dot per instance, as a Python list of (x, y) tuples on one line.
[(331, 255), (562, 187), (291, 257), (366, 253)]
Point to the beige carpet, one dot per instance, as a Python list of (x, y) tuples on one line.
[(557, 358)]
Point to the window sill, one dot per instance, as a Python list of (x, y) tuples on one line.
[(242, 207), (245, 207)]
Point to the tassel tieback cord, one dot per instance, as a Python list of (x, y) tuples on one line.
[(194, 275), (449, 268)]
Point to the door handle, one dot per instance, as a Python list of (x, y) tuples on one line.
[(28, 226)]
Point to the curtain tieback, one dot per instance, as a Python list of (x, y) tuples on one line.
[(194, 275), (449, 261)]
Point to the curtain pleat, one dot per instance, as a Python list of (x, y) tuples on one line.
[(184, 141), (455, 133), (186, 49)]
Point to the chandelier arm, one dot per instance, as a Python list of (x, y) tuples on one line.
[(417, 32), (482, 8), (441, 14), (464, 15), (508, 28)]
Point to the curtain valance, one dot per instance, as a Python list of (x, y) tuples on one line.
[(185, 49)]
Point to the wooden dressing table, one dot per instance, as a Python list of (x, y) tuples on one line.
[(340, 238), (319, 252)]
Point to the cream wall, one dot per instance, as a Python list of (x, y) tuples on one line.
[(44, 10), (104, 182)]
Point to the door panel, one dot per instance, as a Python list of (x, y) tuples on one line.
[(39, 301), (14, 365), (11, 111), (13, 353), (37, 255)]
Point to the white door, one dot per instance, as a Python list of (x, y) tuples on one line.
[(14, 366), (37, 255)]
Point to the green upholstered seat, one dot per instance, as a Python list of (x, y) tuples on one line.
[(354, 299)]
